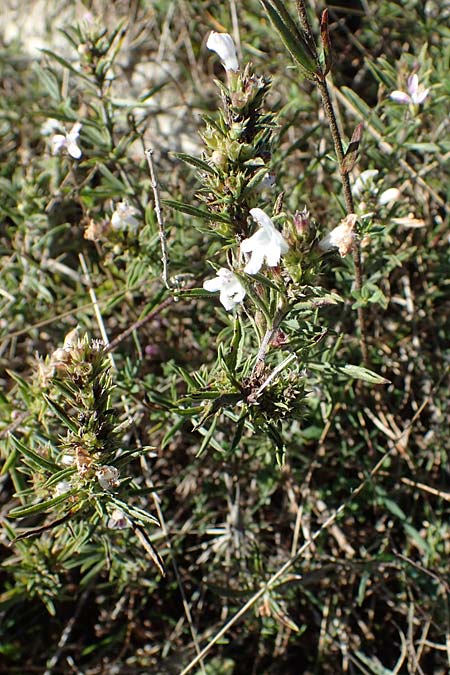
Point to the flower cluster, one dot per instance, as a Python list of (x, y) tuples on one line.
[(266, 244)]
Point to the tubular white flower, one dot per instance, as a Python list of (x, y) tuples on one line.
[(67, 141), (388, 196), (123, 217), (416, 92), (50, 126), (118, 520), (266, 244), (341, 237), (231, 290), (223, 45), (365, 181), (62, 487), (108, 477)]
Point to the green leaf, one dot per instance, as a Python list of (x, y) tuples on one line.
[(62, 415), (194, 211), (38, 460), (422, 147), (208, 437), (65, 64), (295, 43), (113, 182), (360, 373), (49, 82), (10, 462), (365, 111), (195, 162), (23, 511)]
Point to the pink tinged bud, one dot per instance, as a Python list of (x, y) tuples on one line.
[(400, 97), (230, 288), (341, 237), (416, 92), (267, 244), (302, 222), (108, 477), (223, 45)]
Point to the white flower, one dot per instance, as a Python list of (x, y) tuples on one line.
[(416, 92), (388, 196), (341, 237), (123, 217), (50, 126), (118, 520), (268, 181), (67, 141), (231, 290), (267, 243), (365, 181), (108, 477), (223, 45), (62, 487)]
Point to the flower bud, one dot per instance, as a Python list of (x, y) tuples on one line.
[(302, 222), (219, 158)]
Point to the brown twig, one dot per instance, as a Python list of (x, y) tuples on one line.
[(138, 324), (159, 218)]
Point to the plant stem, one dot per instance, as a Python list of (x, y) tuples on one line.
[(268, 336), (339, 150), (349, 207), (159, 218)]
